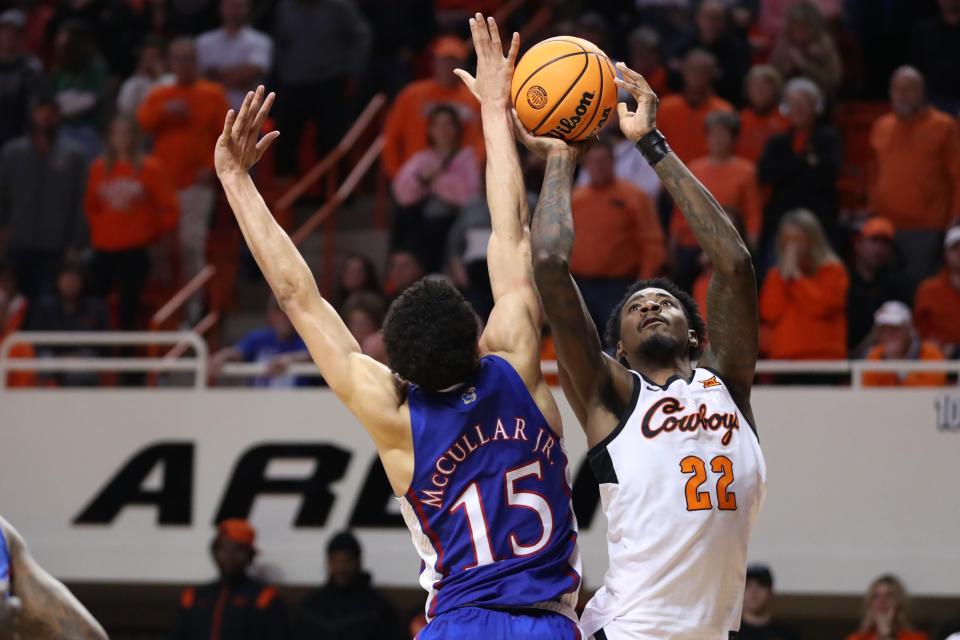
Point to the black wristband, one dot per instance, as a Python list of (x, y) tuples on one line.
[(654, 147)]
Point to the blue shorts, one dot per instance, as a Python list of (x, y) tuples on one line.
[(477, 623)]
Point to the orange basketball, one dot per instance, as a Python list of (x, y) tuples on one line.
[(563, 87)]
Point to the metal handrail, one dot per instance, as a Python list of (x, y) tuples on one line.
[(349, 184), (346, 143), (197, 364), (181, 297)]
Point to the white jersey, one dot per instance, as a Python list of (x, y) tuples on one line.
[(681, 480)]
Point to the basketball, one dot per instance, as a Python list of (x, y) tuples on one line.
[(563, 87)]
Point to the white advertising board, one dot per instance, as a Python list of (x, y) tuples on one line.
[(124, 486)]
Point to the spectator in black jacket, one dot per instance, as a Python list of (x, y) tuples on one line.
[(43, 177), (935, 50), (21, 76), (713, 33), (347, 606), (801, 166), (874, 279), (236, 606)]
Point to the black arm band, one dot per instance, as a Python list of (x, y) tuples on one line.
[(654, 147)]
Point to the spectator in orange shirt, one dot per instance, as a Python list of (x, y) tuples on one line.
[(731, 180), (643, 52), (129, 202), (619, 238), (185, 120), (681, 117), (761, 118), (917, 179), (896, 339), (803, 299), (19, 350), (937, 305), (405, 130), (885, 613)]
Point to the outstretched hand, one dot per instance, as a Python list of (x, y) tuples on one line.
[(238, 147), (543, 146), (636, 124), (494, 70)]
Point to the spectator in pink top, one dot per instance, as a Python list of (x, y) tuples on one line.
[(432, 186)]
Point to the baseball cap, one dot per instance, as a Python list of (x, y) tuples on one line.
[(450, 47), (878, 227), (761, 573), (239, 531), (952, 237), (893, 313), (13, 18)]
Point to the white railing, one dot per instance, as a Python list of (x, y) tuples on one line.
[(197, 363)]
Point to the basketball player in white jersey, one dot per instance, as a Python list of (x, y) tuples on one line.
[(668, 420), (34, 604)]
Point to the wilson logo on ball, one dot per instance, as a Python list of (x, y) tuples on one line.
[(537, 97), (567, 125)]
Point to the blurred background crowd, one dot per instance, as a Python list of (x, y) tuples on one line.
[(827, 129)]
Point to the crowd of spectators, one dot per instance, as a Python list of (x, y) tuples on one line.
[(238, 605), (111, 109)]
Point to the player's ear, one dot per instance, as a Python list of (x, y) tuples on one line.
[(693, 339), (620, 352)]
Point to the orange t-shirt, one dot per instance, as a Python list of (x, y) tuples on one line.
[(806, 317), (901, 635), (184, 142), (128, 207), (936, 310), (405, 130), (20, 378), (756, 129), (733, 182), (917, 181), (928, 351), (618, 233), (683, 124)]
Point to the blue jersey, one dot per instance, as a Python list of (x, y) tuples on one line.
[(489, 506)]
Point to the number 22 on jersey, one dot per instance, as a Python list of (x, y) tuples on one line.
[(698, 500)]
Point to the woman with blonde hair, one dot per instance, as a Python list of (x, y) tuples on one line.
[(805, 48), (803, 299), (885, 613)]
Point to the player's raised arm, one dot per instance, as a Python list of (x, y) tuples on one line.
[(43, 607), (591, 380), (732, 296), (364, 385)]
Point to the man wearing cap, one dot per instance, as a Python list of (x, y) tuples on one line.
[(405, 130), (347, 606), (896, 339), (937, 305), (21, 76), (917, 177), (236, 606), (757, 622), (874, 279)]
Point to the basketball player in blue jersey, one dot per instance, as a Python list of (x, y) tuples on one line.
[(33, 604), (668, 418), (468, 432)]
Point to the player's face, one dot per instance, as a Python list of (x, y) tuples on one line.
[(653, 326)]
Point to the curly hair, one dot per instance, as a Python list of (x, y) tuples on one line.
[(430, 335), (690, 310)]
